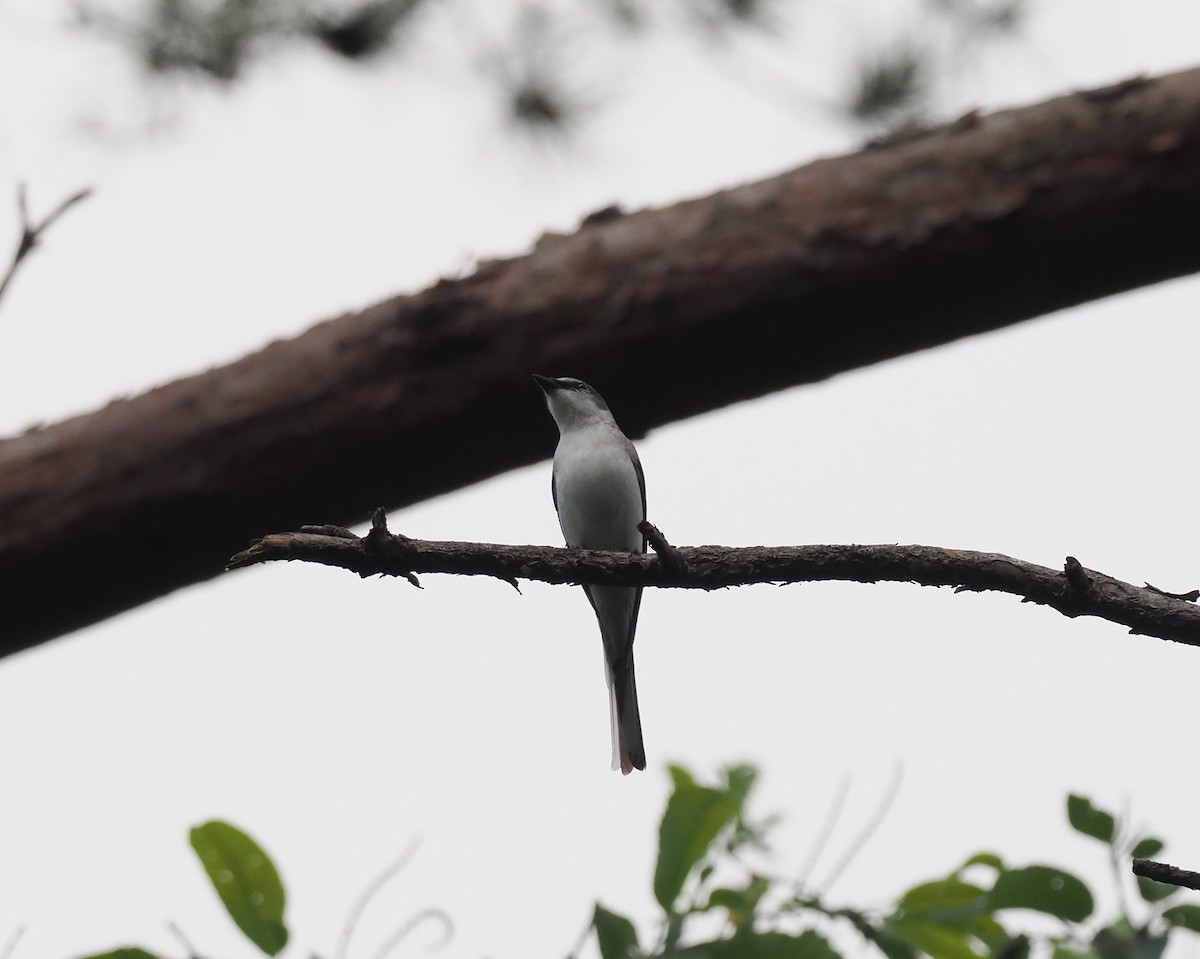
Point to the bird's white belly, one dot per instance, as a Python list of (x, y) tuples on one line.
[(599, 500)]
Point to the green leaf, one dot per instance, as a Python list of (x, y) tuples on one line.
[(1043, 889), (246, 880), (615, 935), (934, 939), (1108, 944), (764, 945), (778, 945), (724, 898), (1064, 952), (888, 942), (985, 859), (694, 817), (740, 903), (943, 899), (127, 952), (1186, 916), (986, 929), (1154, 891), (1120, 941), (1016, 948), (960, 907), (1148, 848), (739, 781), (1090, 820)]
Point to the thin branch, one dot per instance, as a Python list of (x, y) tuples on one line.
[(369, 893), (869, 830), (178, 933), (11, 946), (1074, 592), (671, 560), (31, 233), (1164, 872), (403, 931), (825, 832), (1189, 597)]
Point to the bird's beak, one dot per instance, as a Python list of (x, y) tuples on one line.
[(547, 384)]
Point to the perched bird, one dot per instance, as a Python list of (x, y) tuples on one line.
[(600, 495)]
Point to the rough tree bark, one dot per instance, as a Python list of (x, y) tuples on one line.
[(837, 264), (1072, 591)]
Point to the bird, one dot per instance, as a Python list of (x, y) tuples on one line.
[(599, 492)]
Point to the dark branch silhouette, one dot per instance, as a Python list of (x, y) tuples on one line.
[(671, 312), (1073, 591), (1165, 872), (31, 233)]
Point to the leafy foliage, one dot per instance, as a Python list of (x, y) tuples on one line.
[(695, 816), (1087, 819), (716, 905), (890, 83), (972, 913), (130, 952), (219, 39), (615, 935)]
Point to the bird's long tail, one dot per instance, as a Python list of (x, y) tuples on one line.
[(628, 751)]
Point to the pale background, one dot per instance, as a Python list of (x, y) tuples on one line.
[(335, 719)]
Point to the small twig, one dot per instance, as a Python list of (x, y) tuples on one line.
[(378, 536), (392, 941), (868, 830), (11, 946), (1189, 597), (1164, 872), (31, 233), (671, 560), (826, 830), (370, 892), (1116, 860), (187, 945), (339, 531), (583, 937)]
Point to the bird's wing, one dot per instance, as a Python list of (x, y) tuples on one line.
[(641, 478)]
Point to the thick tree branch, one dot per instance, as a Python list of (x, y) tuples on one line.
[(1165, 872), (837, 264), (1074, 591), (31, 233)]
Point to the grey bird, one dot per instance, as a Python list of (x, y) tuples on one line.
[(600, 495)]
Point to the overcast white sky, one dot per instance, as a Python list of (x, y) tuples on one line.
[(336, 719)]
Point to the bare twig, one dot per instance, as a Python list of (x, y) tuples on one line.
[(183, 940), (1164, 872), (31, 233), (370, 892), (671, 560), (823, 834), (402, 932), (873, 824), (1189, 597), (1143, 611), (11, 946)]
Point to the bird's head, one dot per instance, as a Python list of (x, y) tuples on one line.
[(572, 402)]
